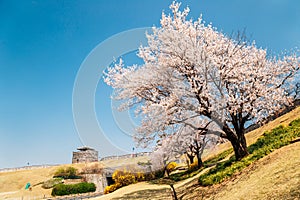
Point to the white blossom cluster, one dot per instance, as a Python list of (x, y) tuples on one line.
[(192, 71), (186, 140)]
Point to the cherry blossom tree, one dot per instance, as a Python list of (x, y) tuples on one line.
[(187, 141), (193, 71)]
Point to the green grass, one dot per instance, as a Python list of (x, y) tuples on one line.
[(267, 143), (185, 174), (192, 172), (218, 158), (271, 140)]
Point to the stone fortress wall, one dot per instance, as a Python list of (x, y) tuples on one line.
[(85, 155), (126, 156), (25, 168)]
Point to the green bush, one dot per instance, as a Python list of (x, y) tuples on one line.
[(66, 173), (61, 189), (51, 183), (159, 173), (271, 140)]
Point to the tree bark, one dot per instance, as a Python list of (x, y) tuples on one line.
[(199, 161), (191, 158), (174, 191), (238, 142), (166, 172), (239, 146)]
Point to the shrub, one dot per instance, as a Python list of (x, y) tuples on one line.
[(59, 172), (159, 173), (66, 173), (140, 177), (193, 166), (51, 183), (111, 188), (149, 176), (123, 177), (92, 169), (171, 166), (61, 189)]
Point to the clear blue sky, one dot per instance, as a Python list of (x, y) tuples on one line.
[(43, 43)]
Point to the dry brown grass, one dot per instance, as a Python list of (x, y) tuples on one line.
[(15, 182), (276, 176), (12, 184)]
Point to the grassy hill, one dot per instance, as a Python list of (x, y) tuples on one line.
[(190, 188), (271, 171), (276, 176)]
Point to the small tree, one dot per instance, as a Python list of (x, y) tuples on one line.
[(160, 159), (190, 155), (184, 141)]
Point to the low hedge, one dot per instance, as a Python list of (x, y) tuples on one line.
[(62, 189), (52, 182)]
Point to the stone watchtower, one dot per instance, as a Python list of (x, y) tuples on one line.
[(85, 155)]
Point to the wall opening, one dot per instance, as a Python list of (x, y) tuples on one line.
[(110, 181)]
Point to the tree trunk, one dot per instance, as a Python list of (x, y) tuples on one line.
[(199, 161), (191, 158), (238, 142), (174, 192), (239, 146), (166, 172)]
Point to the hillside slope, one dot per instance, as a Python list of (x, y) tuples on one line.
[(12, 183), (191, 189), (276, 176)]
